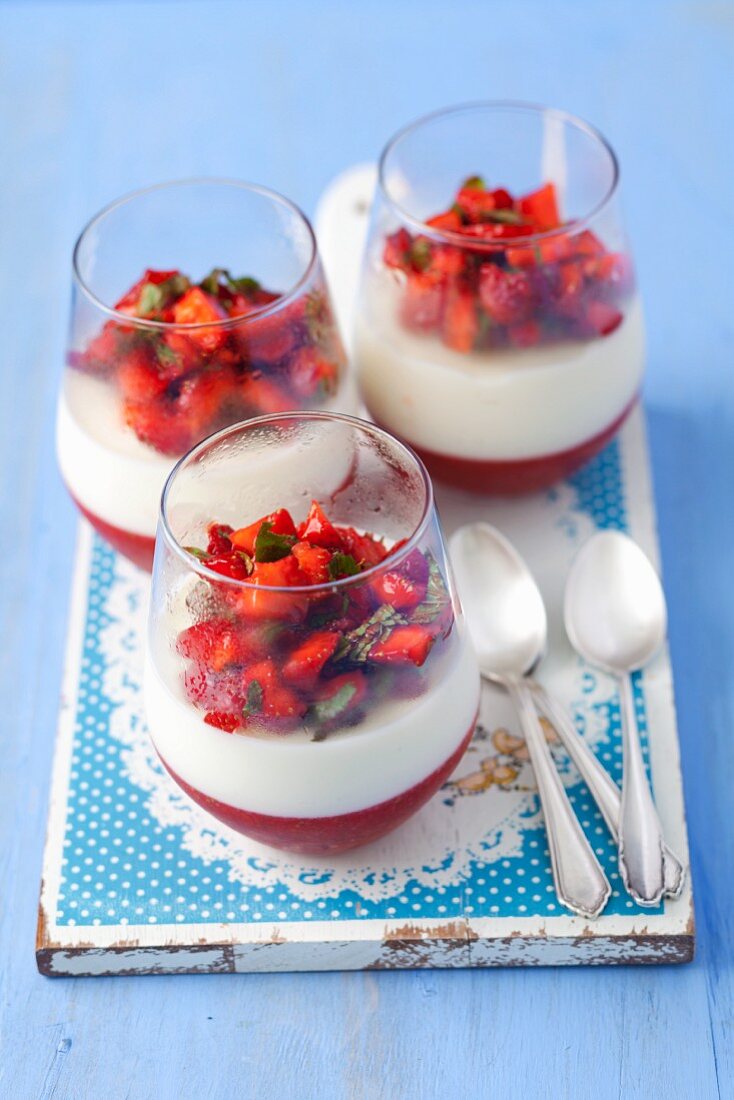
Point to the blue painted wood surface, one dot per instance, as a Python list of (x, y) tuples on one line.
[(98, 98)]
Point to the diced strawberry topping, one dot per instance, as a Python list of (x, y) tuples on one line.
[(266, 695), (318, 529), (541, 207), (281, 523), (460, 322), (404, 645), (263, 654), (507, 297), (305, 663)]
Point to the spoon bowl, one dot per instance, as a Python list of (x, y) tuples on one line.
[(502, 603), (507, 622), (614, 604)]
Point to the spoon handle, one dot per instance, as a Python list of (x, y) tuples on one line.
[(604, 790), (580, 883), (640, 834)]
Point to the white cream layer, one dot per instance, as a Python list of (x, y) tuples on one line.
[(118, 478), (499, 405), (398, 746), (105, 466)]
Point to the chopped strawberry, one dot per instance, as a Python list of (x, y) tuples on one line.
[(526, 334), (214, 691), (313, 561), (541, 207), (219, 538), (262, 396), (319, 530), (215, 642), (602, 318), (196, 307), (281, 523), (139, 377), (460, 323), (422, 303), (130, 301), (450, 220), (398, 590), (221, 720), (365, 549), (229, 565), (340, 695), (103, 351), (156, 423), (475, 201), (309, 369), (258, 601), (267, 697), (304, 665), (397, 250), (269, 339), (506, 296), (404, 645)]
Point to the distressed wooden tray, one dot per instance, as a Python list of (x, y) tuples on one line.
[(137, 879)]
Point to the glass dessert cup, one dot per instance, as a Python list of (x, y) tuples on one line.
[(151, 373), (499, 330), (309, 678)]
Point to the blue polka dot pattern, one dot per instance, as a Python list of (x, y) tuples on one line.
[(121, 866)]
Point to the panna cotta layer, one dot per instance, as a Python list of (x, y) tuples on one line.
[(398, 745), (497, 405)]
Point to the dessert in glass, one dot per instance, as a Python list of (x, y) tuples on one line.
[(309, 677), (499, 328), (196, 304)]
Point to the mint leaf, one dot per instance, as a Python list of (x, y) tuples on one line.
[(420, 254), (254, 701), (504, 217), (356, 644), (475, 183), (328, 709), (197, 553), (244, 285), (436, 597), (272, 547), (343, 565), (213, 281), (166, 356), (150, 300), (246, 559)]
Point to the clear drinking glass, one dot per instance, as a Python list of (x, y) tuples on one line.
[(195, 304), (309, 679), (499, 329)]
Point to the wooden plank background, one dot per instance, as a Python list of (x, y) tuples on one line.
[(97, 98)]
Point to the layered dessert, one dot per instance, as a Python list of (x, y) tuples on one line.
[(177, 361), (309, 683), (502, 341)]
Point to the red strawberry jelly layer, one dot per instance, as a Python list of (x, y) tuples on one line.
[(138, 548), (513, 477), (320, 836)]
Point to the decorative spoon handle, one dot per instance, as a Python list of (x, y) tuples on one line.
[(640, 834), (580, 883), (604, 790)]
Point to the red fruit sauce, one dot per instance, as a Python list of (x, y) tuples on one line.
[(514, 477), (138, 548), (329, 835)]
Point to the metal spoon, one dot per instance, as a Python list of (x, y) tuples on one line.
[(507, 623), (602, 787), (616, 619)]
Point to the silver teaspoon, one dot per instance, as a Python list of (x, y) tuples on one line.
[(507, 623), (615, 617)]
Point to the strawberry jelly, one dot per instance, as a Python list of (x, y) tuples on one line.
[(512, 477), (138, 548), (329, 835)]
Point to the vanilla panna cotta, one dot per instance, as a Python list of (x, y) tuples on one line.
[(309, 678)]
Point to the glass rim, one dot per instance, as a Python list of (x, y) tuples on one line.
[(366, 426), (226, 322), (499, 105)]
